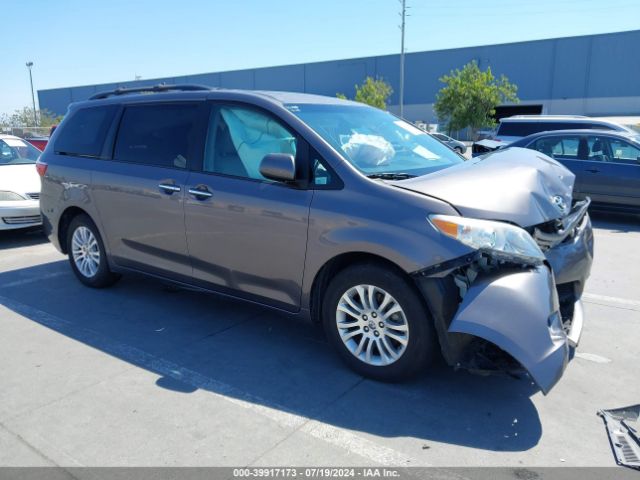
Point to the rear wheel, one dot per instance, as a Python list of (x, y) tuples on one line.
[(87, 254), (377, 322)]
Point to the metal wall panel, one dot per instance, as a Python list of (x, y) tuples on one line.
[(549, 71)]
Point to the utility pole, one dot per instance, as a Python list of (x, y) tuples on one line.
[(33, 98), (403, 14)]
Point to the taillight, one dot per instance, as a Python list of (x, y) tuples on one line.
[(41, 167)]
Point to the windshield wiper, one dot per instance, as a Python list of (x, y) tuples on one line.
[(391, 176)]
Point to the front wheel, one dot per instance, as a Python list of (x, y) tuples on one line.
[(377, 322), (87, 254)]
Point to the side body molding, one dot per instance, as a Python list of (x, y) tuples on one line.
[(514, 311)]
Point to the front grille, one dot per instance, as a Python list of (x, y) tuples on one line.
[(34, 196), (549, 234), (23, 220)]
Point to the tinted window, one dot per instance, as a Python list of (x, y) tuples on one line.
[(239, 138), (522, 129), (161, 135), (83, 133)]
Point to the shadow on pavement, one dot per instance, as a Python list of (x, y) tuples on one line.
[(197, 341), (21, 238), (616, 222)]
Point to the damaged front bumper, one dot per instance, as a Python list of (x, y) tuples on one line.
[(506, 317)]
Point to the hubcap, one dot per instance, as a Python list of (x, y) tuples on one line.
[(376, 342), (85, 251)]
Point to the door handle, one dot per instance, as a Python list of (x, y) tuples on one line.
[(200, 192), (169, 188), (593, 170)]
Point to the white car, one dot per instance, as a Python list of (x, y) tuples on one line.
[(19, 184)]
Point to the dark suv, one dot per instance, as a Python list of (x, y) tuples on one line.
[(328, 210)]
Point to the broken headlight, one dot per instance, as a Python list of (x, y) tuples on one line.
[(498, 239)]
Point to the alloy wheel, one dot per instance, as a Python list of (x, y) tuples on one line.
[(372, 325)]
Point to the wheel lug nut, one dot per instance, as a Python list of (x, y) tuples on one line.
[(381, 325), (374, 314), (375, 332), (364, 317), (366, 329)]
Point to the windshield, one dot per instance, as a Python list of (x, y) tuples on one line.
[(376, 142), (15, 151)]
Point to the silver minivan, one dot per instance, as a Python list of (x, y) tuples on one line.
[(331, 211)]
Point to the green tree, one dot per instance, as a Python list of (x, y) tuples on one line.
[(470, 97), (374, 92), (23, 117)]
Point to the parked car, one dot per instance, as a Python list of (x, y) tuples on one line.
[(452, 143), (606, 164), (327, 210), (39, 142), (514, 128), (19, 184)]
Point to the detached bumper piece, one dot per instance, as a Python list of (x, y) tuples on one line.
[(519, 313), (623, 428)]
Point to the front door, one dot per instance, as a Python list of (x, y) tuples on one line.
[(247, 235)]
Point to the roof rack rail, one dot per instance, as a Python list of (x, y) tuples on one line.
[(163, 87)]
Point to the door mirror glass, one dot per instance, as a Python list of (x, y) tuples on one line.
[(280, 167)]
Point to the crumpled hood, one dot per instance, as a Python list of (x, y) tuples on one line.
[(20, 179), (515, 185)]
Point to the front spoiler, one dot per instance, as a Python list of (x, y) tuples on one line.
[(514, 312)]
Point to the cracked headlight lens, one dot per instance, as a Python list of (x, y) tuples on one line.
[(10, 197), (502, 240)]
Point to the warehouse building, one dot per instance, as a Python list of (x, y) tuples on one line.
[(594, 75)]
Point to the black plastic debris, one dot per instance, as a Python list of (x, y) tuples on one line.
[(623, 428)]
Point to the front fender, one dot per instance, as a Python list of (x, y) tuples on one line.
[(515, 312)]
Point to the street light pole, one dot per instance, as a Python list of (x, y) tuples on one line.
[(403, 15), (33, 98)]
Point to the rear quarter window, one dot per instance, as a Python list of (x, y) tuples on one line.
[(84, 132)]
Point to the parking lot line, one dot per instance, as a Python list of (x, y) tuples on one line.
[(611, 301), (338, 437)]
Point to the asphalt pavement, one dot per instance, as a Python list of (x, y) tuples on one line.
[(146, 375)]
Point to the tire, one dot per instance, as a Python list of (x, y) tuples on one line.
[(420, 340), (94, 270)]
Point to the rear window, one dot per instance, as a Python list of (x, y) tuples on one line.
[(84, 132), (160, 135), (522, 129)]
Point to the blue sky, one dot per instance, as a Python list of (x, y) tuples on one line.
[(78, 42)]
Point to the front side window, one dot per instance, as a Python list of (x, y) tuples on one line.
[(624, 152), (84, 132), (160, 135), (376, 142), (240, 137), (597, 149), (15, 151)]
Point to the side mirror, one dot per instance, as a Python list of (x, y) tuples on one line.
[(280, 167)]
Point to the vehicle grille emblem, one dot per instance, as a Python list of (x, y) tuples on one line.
[(560, 204)]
